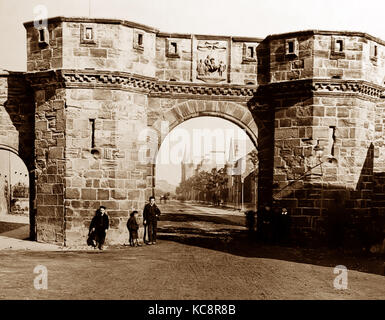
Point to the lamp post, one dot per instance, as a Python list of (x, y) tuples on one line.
[(242, 193), (9, 183), (255, 188)]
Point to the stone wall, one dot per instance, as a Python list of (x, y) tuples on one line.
[(113, 48), (244, 67), (312, 183), (50, 141), (102, 44), (330, 62), (103, 165), (311, 101), (170, 64), (379, 161), (47, 54), (286, 65)]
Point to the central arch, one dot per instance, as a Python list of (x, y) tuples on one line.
[(257, 129), (258, 124), (234, 112)]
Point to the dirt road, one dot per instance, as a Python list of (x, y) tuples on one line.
[(202, 253)]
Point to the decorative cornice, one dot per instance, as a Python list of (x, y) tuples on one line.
[(117, 80), (360, 87), (156, 88), (322, 87), (167, 87), (122, 80)]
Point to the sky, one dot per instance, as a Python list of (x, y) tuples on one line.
[(253, 18), (211, 138)]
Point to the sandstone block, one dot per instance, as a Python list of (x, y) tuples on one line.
[(99, 53), (88, 194), (103, 194), (119, 194)]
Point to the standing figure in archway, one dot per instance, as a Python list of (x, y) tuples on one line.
[(151, 215)]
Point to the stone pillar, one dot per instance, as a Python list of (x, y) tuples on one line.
[(103, 165), (50, 134), (324, 156)]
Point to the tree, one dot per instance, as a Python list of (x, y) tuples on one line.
[(207, 186)]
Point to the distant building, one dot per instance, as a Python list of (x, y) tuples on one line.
[(240, 190), (187, 167)]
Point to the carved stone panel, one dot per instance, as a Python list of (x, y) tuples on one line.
[(211, 60)]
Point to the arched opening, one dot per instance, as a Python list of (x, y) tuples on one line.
[(14, 195), (208, 160)]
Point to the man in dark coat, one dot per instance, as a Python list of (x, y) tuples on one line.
[(132, 226), (151, 214), (99, 226), (264, 223), (250, 222)]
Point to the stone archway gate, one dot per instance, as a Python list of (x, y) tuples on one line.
[(93, 85)]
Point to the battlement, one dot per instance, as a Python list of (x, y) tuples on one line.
[(119, 45)]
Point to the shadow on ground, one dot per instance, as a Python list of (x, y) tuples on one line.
[(238, 242), (10, 226), (216, 219)]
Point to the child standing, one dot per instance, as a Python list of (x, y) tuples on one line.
[(132, 226)]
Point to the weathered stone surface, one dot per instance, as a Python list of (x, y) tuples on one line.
[(86, 132)]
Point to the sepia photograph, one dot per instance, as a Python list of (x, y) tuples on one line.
[(174, 151)]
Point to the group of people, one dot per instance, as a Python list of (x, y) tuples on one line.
[(268, 225), (208, 66), (100, 224)]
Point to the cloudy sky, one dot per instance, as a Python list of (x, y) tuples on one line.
[(254, 18)]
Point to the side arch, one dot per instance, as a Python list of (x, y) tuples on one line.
[(14, 183)]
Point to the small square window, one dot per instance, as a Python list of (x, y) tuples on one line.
[(139, 40), (338, 48), (87, 34), (43, 36), (340, 45), (374, 50), (374, 53), (172, 48), (249, 53), (291, 47)]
